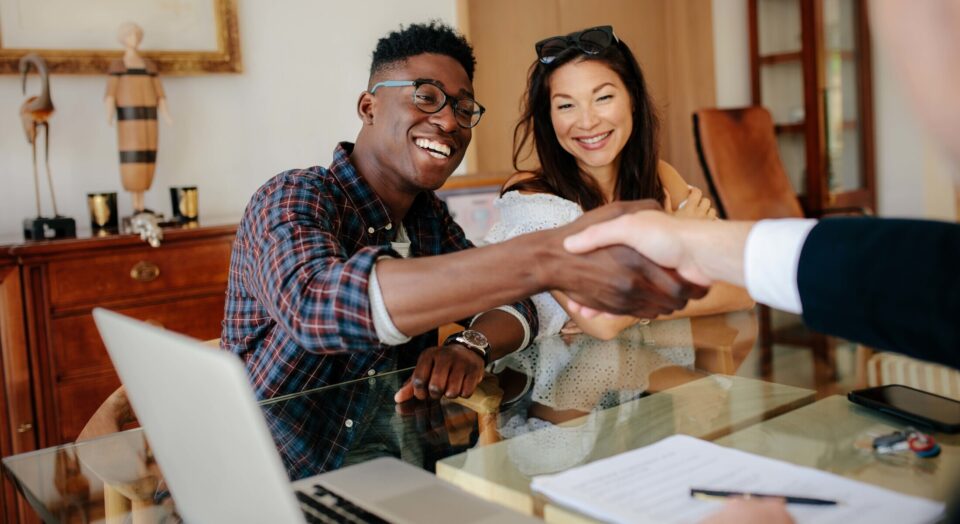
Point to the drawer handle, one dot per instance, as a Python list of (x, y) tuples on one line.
[(25, 427), (145, 272)]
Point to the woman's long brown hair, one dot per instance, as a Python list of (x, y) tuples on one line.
[(558, 173)]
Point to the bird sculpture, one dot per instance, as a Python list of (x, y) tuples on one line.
[(35, 114)]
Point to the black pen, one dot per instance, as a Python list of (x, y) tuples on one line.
[(713, 494)]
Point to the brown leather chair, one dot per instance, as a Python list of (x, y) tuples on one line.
[(741, 162), (740, 159)]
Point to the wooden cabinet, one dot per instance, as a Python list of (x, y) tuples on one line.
[(811, 67), (14, 384), (55, 370)]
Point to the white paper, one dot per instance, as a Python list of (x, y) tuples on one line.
[(652, 484)]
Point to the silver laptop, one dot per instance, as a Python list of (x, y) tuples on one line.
[(219, 460)]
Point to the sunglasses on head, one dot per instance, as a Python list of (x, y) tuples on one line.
[(591, 41)]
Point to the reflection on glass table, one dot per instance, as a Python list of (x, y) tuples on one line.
[(561, 402)]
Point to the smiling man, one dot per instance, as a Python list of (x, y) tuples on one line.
[(345, 272)]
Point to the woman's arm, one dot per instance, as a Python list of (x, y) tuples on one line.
[(604, 327), (722, 298)]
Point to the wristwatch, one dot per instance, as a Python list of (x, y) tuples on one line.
[(473, 340)]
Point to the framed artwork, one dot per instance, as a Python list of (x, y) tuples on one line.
[(183, 37), (473, 209)]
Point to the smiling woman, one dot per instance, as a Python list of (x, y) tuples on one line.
[(592, 123)]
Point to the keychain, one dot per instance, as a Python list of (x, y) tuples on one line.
[(923, 445)]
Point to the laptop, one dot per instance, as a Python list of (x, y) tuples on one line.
[(220, 462)]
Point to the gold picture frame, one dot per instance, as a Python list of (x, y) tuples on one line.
[(225, 59)]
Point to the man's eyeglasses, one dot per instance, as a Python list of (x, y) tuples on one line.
[(590, 41), (430, 98)]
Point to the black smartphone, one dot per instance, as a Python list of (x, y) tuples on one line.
[(919, 407)]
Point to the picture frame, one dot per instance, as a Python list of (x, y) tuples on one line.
[(196, 37)]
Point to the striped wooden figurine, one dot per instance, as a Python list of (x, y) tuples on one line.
[(134, 90)]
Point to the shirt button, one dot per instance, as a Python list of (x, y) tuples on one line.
[(389, 227), (372, 372), (370, 230), (348, 423)]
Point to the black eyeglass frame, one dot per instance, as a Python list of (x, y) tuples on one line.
[(574, 40), (455, 104)]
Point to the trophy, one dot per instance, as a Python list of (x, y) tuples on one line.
[(35, 114), (103, 213)]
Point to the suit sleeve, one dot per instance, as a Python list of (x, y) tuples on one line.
[(888, 283)]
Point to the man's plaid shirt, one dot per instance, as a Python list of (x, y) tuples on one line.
[(298, 310)]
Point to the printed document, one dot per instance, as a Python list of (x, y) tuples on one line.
[(652, 484)]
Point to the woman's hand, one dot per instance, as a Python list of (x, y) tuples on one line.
[(571, 328), (696, 206)]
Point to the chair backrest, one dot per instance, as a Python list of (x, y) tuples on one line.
[(740, 159)]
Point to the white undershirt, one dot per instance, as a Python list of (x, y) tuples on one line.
[(771, 258)]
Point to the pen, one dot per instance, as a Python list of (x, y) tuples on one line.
[(713, 494)]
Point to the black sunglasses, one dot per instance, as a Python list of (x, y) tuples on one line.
[(590, 41)]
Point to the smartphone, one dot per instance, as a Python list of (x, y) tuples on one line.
[(918, 407)]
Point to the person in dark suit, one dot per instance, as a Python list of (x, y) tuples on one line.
[(892, 284)]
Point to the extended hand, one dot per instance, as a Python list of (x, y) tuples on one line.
[(701, 251), (614, 278), (655, 235), (452, 371)]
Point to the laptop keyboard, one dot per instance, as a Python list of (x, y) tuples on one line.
[(325, 507)]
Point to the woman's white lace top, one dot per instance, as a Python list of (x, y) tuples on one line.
[(526, 213)]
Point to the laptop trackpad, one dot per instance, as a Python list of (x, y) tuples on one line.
[(452, 506)]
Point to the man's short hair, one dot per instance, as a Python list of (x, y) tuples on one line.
[(415, 39)]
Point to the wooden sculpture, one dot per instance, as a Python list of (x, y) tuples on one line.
[(135, 97), (35, 113)]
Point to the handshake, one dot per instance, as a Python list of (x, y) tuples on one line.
[(632, 258)]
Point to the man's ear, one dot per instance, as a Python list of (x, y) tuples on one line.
[(366, 107)]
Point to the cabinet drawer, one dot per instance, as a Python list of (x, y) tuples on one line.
[(77, 350), (87, 281)]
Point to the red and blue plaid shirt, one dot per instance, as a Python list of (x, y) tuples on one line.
[(298, 310)]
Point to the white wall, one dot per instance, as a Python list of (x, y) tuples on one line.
[(731, 51), (305, 62), (913, 175)]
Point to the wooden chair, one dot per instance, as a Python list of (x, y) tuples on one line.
[(741, 163)]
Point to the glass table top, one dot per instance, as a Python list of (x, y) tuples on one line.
[(563, 401)]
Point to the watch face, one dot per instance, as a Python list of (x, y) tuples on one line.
[(475, 338)]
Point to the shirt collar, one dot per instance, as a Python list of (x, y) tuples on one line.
[(366, 200)]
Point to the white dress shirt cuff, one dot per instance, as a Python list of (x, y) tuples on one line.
[(386, 330), (770, 261), (519, 317)]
